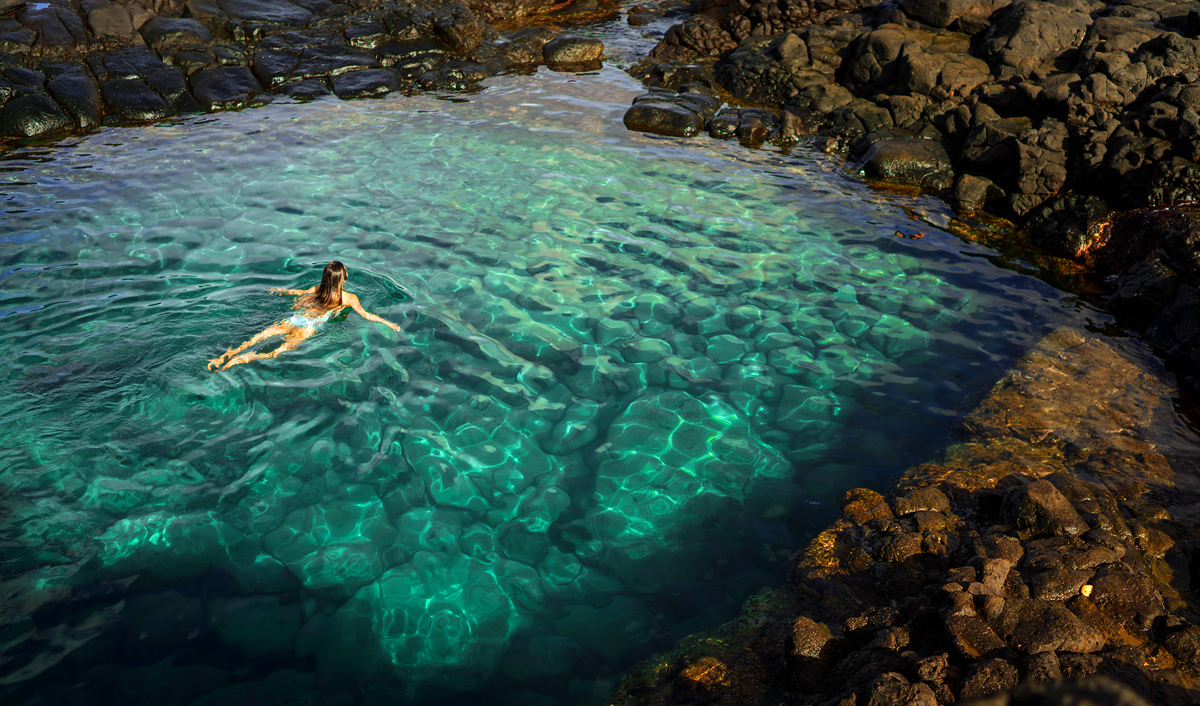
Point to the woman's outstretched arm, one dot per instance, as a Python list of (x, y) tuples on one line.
[(294, 292), (352, 300)]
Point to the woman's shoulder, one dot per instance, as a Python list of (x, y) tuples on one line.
[(348, 297)]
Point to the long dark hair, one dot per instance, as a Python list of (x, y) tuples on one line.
[(329, 292)]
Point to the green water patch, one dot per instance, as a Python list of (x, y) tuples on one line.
[(633, 375)]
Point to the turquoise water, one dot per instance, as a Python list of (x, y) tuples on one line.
[(633, 374)]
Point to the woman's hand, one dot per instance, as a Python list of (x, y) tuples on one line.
[(394, 326), (276, 290)]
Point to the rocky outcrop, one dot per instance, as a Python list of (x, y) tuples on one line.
[(66, 67), (1041, 548), (1051, 114), (1041, 99)]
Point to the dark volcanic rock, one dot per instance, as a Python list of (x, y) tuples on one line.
[(167, 33), (366, 35), (77, 93), (1068, 225), (457, 27), (225, 87), (569, 50), (129, 63), (365, 83), (331, 60), (305, 90), (133, 101), (273, 66), (509, 9), (663, 118), (1026, 34), (32, 115), (277, 12), (7, 6), (172, 86), (911, 161), (1040, 509)]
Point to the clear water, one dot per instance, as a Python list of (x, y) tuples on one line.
[(634, 374)]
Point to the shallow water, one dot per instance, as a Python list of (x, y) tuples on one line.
[(634, 374)]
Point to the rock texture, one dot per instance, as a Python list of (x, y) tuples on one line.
[(1046, 546), (1044, 100), (67, 66)]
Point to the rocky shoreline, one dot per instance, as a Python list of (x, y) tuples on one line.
[(68, 66), (1056, 115), (1050, 557), (1056, 542)]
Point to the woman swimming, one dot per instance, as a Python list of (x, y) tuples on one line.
[(316, 305)]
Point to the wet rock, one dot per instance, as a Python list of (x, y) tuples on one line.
[(698, 36), (132, 100), (225, 87), (663, 118), (1068, 225), (974, 193), (128, 63), (276, 12), (172, 86), (910, 161), (1039, 509), (332, 60), (77, 93), (456, 75), (273, 67), (366, 35), (362, 84), (305, 90), (7, 6), (457, 27), (509, 9), (17, 42), (569, 50), (32, 115), (166, 34)]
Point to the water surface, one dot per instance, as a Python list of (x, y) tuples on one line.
[(634, 374)]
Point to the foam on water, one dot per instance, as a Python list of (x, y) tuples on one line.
[(634, 374)]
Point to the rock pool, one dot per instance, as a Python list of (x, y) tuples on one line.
[(634, 374)]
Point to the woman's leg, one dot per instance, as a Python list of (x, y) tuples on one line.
[(293, 339), (280, 329)]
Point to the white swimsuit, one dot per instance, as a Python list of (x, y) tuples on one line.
[(302, 321)]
